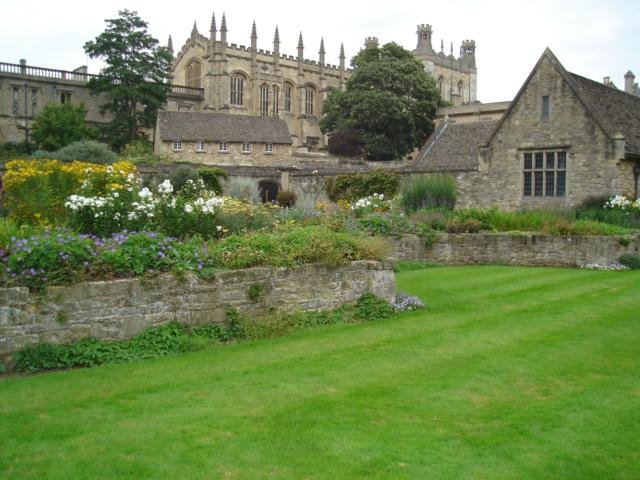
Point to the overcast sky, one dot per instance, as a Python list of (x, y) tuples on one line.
[(591, 38)]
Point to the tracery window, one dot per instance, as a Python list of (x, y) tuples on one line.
[(276, 100), (287, 97), (308, 100), (237, 90), (194, 70), (264, 100)]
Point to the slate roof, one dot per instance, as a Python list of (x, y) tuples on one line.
[(454, 146), (221, 127), (619, 110)]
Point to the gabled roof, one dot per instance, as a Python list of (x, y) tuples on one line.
[(618, 109), (221, 127), (454, 146), (615, 111)]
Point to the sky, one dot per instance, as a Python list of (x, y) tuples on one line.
[(592, 38)]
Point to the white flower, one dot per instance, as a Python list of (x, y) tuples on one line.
[(188, 208), (165, 187), (145, 193), (109, 169), (219, 228)]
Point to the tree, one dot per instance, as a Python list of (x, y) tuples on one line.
[(389, 100), (135, 80), (59, 125)]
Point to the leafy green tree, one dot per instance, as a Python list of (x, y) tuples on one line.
[(135, 80), (59, 125), (389, 100)]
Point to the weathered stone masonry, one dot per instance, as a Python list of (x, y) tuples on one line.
[(118, 309), (513, 249)]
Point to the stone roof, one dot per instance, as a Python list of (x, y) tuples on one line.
[(454, 147), (619, 110), (221, 127)]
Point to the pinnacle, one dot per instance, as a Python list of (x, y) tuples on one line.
[(322, 45), (300, 44), (254, 32), (223, 25), (276, 37), (213, 23), (342, 50)]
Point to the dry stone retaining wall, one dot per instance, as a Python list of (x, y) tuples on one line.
[(513, 249), (118, 309)]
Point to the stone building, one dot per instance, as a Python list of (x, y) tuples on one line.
[(563, 139), (25, 90), (456, 77), (250, 81), (215, 138)]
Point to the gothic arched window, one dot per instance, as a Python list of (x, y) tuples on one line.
[(193, 73), (308, 100), (287, 89), (237, 89), (276, 100), (264, 100)]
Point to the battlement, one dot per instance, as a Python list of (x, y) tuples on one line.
[(371, 42), (424, 27)]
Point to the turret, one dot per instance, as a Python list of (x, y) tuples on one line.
[(424, 33), (629, 82), (468, 53), (370, 42)]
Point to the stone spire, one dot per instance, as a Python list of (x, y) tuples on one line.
[(322, 51), (342, 58), (194, 32), (300, 55), (254, 37), (276, 50), (170, 46), (223, 29), (212, 35), (254, 45)]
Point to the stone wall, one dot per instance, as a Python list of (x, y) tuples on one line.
[(513, 249), (234, 156), (118, 309)]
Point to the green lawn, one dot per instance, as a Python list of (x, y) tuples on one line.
[(510, 373)]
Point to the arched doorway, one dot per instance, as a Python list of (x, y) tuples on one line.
[(268, 190)]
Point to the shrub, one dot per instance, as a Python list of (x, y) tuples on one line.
[(347, 143), (370, 307), (433, 191), (139, 151), (86, 151), (211, 177), (467, 225), (286, 198), (630, 260), (243, 188), (181, 175), (255, 292), (59, 125), (15, 150), (352, 186)]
